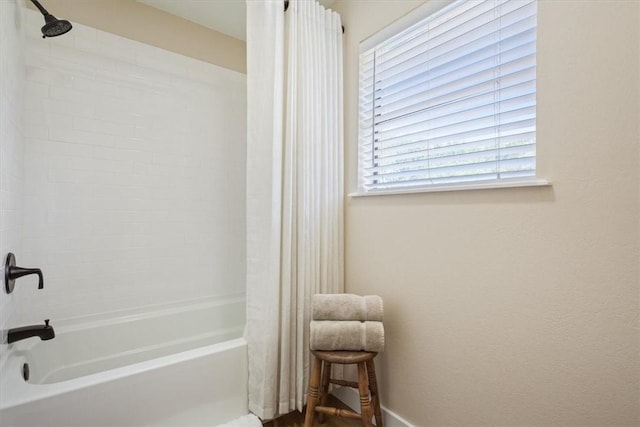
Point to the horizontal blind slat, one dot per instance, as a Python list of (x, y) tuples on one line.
[(452, 67), (487, 145), (451, 124), (473, 95), (455, 163), (425, 37), (516, 59), (522, 165), (477, 41), (427, 147), (486, 178), (465, 136), (455, 69), (483, 94)]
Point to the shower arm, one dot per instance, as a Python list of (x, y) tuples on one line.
[(40, 8)]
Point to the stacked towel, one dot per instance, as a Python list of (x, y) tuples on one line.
[(349, 335), (346, 307), (346, 322)]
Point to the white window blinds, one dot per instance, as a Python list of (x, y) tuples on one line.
[(451, 99)]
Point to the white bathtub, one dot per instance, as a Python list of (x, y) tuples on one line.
[(177, 365)]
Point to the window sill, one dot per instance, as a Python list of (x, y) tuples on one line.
[(457, 187)]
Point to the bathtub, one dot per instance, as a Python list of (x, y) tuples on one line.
[(174, 365)]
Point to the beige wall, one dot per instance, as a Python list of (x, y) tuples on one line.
[(516, 306), (137, 21)]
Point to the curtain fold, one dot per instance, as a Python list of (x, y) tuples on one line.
[(294, 191)]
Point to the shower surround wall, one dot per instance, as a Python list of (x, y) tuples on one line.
[(11, 145), (134, 174)]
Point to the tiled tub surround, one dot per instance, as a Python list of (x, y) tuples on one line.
[(134, 173), (123, 178), (179, 364)]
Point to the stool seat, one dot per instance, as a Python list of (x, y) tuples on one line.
[(366, 385), (344, 357)]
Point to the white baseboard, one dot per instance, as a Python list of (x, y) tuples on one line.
[(352, 399)]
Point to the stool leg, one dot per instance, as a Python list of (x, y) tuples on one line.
[(324, 389), (375, 397), (363, 387), (312, 398)]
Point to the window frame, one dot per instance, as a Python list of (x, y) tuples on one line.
[(381, 36)]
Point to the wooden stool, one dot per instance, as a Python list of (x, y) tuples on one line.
[(367, 386)]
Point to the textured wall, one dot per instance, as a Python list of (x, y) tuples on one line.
[(11, 147), (134, 174), (516, 306), (137, 21)]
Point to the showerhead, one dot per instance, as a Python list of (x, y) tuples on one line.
[(53, 26)]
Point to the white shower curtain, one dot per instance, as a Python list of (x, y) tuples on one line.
[(294, 191)]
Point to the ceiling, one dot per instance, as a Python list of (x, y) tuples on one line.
[(225, 16)]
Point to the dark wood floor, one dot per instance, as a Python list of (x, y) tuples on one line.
[(296, 419)]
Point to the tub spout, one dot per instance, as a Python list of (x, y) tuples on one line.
[(45, 332)]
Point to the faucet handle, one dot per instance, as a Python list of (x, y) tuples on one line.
[(12, 272), (46, 323)]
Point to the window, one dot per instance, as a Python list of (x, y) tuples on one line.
[(451, 99)]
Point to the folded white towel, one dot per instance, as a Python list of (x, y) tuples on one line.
[(244, 421), (352, 335), (346, 307)]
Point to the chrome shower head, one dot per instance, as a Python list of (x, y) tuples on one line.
[(53, 26)]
